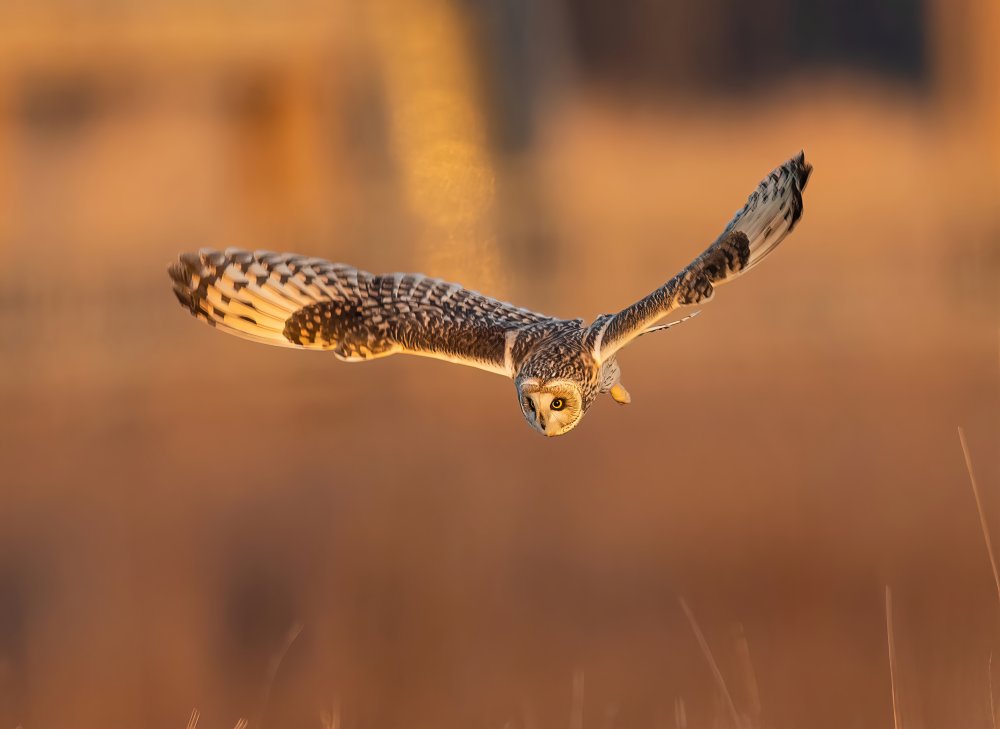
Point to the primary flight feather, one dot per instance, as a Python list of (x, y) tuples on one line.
[(559, 366)]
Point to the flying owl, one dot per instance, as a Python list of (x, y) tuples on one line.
[(558, 366)]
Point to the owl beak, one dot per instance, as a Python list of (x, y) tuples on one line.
[(546, 431)]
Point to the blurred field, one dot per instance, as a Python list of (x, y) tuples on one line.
[(175, 501)]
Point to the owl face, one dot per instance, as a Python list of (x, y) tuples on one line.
[(552, 407)]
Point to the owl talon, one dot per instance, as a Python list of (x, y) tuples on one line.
[(620, 395)]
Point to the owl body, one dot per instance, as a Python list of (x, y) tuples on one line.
[(559, 366)]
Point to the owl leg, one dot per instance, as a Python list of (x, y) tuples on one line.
[(620, 394)]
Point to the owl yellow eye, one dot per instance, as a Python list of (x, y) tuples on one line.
[(558, 403)]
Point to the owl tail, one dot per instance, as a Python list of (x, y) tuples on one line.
[(772, 210), (249, 295)]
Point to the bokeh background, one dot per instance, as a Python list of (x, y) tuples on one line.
[(188, 520)]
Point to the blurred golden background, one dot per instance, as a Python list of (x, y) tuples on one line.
[(189, 520)]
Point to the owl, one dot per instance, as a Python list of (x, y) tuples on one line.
[(559, 366)]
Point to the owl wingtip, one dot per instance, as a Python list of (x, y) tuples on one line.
[(803, 168), (175, 269)]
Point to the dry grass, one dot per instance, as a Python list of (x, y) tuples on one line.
[(891, 637), (751, 718), (275, 665), (196, 717), (989, 684), (576, 710), (979, 508), (984, 525), (720, 681)]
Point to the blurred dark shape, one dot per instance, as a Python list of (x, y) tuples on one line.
[(734, 46), (257, 613), (14, 667), (888, 37), (251, 97), (61, 104), (525, 59)]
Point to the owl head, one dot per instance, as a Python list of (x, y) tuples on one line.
[(552, 407)]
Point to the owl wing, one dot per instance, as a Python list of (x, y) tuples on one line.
[(308, 303), (769, 215)]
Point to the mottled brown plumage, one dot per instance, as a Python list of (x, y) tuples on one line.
[(559, 366)]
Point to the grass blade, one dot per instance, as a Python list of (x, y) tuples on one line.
[(576, 710), (979, 507), (891, 634), (710, 659)]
